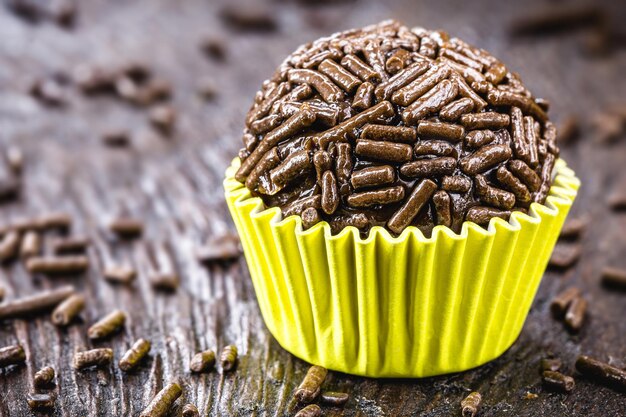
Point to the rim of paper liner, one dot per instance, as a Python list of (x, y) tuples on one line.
[(563, 191), (364, 305)]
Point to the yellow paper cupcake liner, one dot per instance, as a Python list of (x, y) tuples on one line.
[(406, 306)]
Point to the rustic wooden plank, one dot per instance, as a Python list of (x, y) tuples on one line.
[(174, 186)]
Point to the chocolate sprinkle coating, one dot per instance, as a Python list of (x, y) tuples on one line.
[(396, 127)]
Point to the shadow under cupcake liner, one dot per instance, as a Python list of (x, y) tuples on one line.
[(406, 306)]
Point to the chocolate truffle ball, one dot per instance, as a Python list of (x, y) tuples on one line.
[(395, 127)]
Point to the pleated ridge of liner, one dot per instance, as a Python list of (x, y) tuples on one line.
[(396, 127)]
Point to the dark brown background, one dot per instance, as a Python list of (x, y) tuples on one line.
[(175, 186)]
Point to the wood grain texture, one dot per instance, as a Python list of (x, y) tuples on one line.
[(174, 185)]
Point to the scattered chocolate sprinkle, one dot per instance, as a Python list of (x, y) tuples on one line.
[(202, 361), (49, 92), (44, 377), (101, 357), (222, 248), (573, 229), (68, 309), (39, 402), (311, 385), (565, 256), (92, 79), (602, 372), (471, 404), (228, 358), (609, 127), (562, 301), (248, 17), (120, 274), (569, 130), (31, 245), (575, 314), (107, 325), (12, 355), (116, 138), (70, 245), (614, 278), (214, 48), (9, 246), (54, 265), (311, 410), (190, 410), (134, 355), (617, 200), (336, 399), (35, 303), (55, 221), (557, 19), (9, 187), (126, 228), (206, 88), (162, 403), (551, 364), (165, 281), (14, 159), (556, 381), (163, 117)]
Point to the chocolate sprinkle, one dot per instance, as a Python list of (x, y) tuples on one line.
[(342, 132)]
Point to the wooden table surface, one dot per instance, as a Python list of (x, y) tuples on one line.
[(174, 185)]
